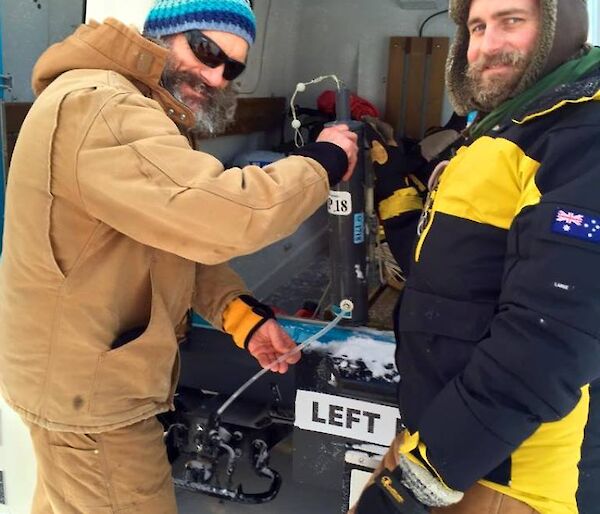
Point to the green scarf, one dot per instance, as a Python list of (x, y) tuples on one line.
[(571, 71)]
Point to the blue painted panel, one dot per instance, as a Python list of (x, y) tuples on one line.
[(300, 330), (2, 137)]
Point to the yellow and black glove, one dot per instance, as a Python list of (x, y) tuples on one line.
[(398, 188), (412, 487), (399, 194), (243, 317)]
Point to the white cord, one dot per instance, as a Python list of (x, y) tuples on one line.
[(346, 307), (300, 88)]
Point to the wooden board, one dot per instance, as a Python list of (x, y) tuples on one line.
[(437, 76), (258, 115), (415, 86), (253, 115), (415, 93), (396, 77)]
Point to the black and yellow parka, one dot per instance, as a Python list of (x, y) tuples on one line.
[(498, 327)]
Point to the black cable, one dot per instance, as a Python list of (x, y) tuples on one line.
[(430, 18)]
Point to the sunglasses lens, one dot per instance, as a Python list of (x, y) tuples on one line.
[(233, 69), (208, 52)]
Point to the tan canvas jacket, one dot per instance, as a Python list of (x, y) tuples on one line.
[(113, 221)]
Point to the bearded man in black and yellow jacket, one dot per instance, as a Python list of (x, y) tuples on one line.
[(497, 330)]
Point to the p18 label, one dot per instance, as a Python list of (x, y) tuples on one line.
[(339, 203)]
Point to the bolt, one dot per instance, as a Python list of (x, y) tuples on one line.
[(347, 305)]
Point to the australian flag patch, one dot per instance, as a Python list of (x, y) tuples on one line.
[(578, 225)]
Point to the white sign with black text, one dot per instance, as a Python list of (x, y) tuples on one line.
[(339, 203), (346, 417)]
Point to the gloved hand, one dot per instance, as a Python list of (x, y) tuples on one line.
[(387, 495), (411, 487), (253, 326), (342, 136), (243, 317), (395, 171)]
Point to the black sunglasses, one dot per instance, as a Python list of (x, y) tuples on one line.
[(211, 54)]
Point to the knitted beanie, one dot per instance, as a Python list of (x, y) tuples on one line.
[(174, 16)]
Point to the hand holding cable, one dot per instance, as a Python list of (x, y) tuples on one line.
[(346, 307), (269, 343)]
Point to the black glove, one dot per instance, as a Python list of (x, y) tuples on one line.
[(328, 155)]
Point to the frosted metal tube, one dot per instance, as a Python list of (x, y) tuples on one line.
[(347, 230)]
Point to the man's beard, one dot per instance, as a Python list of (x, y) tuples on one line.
[(214, 112), (492, 91)]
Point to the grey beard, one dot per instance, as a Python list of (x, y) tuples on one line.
[(496, 91), (217, 110)]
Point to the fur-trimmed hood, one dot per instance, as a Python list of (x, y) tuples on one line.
[(563, 35)]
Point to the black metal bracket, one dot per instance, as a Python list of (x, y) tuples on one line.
[(215, 444), (6, 82)]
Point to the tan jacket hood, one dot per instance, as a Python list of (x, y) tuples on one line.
[(564, 31), (112, 46)]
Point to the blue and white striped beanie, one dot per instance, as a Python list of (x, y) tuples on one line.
[(174, 16)]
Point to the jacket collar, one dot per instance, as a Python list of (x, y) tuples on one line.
[(586, 89), (116, 47)]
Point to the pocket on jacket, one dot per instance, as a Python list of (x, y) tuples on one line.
[(79, 475), (433, 314), (138, 374), (436, 339)]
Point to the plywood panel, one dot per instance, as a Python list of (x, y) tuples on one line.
[(415, 89), (258, 115), (395, 84), (435, 97)]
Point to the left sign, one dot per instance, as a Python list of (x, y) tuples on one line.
[(346, 417)]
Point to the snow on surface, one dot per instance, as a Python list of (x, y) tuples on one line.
[(377, 356), (371, 448)]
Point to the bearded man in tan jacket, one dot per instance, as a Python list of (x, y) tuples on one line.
[(116, 227)]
